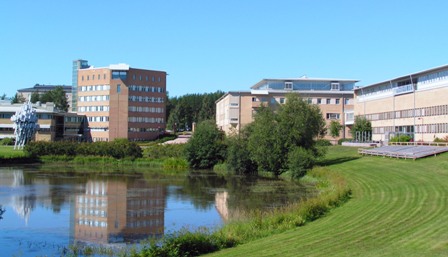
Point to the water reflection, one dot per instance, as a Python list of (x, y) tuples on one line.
[(84, 207), (113, 211)]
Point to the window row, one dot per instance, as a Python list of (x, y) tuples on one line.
[(74, 119), (144, 212), (92, 212), (433, 77), (98, 118), (409, 113), (281, 100), (94, 98), (94, 88), (145, 109), (92, 223), (146, 119), (140, 77), (144, 223), (147, 99), (143, 130), (146, 89), (99, 108), (93, 76), (99, 129), (419, 129), (97, 202)]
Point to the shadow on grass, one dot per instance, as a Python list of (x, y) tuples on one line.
[(328, 162)]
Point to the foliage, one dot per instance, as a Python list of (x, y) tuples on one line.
[(158, 151), (184, 110), (323, 142), (361, 124), (18, 98), (206, 147), (35, 97), (441, 140), (187, 243), (264, 142), (238, 154), (273, 135), (401, 138), (341, 140), (119, 149), (57, 96), (299, 161), (7, 141), (3, 97), (175, 163), (334, 128)]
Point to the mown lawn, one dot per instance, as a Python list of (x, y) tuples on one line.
[(7, 151), (398, 208)]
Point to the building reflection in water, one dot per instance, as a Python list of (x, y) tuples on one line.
[(221, 204), (114, 211)]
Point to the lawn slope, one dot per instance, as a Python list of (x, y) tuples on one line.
[(398, 208)]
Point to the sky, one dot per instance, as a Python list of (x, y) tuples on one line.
[(206, 46)]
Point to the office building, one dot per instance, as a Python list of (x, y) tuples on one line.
[(413, 104), (122, 102), (42, 89), (236, 109), (53, 124)]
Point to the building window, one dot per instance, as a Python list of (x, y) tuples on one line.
[(332, 116), (288, 85), (118, 88), (282, 100), (346, 101), (119, 75), (87, 77), (254, 99), (310, 100), (338, 100), (335, 86), (328, 100), (99, 76), (319, 100)]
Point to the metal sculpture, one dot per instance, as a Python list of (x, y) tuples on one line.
[(25, 125)]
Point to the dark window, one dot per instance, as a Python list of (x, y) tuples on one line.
[(119, 75)]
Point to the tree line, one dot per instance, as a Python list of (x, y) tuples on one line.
[(184, 110), (56, 96)]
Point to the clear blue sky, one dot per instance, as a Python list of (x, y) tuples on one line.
[(206, 46)]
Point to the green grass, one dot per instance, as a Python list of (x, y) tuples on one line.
[(398, 208), (7, 151)]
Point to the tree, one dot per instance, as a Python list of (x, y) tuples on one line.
[(265, 142), (206, 147), (238, 154), (57, 96), (275, 137), (35, 97), (334, 128), (361, 125), (18, 98), (3, 97)]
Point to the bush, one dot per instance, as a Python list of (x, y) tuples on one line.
[(340, 141), (238, 156), (186, 243), (7, 141), (300, 160), (165, 151), (119, 149), (206, 147), (401, 138), (441, 140), (323, 142)]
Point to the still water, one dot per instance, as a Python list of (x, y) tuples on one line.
[(46, 211)]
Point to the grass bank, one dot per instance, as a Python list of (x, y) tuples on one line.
[(398, 208), (10, 156)]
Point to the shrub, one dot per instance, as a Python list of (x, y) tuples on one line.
[(238, 156), (300, 160), (323, 142), (401, 138), (340, 141), (186, 243), (7, 141), (165, 151)]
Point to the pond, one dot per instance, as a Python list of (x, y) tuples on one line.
[(46, 211)]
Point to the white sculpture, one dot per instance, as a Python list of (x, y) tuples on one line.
[(25, 124)]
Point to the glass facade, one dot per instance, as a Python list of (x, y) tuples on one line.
[(308, 85), (77, 65)]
